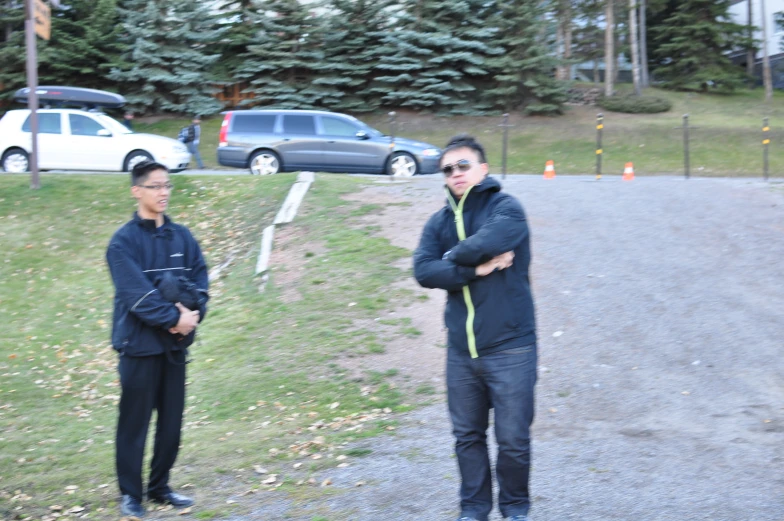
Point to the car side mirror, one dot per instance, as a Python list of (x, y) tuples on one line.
[(104, 133), (361, 134)]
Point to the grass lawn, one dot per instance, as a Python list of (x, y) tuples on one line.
[(727, 142), (265, 389)]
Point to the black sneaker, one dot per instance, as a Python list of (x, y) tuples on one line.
[(131, 506), (172, 498)]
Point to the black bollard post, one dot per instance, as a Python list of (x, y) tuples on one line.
[(505, 124), (765, 146), (686, 145), (599, 151)]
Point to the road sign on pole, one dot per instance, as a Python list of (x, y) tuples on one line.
[(42, 14)]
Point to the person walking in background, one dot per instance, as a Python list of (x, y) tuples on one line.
[(477, 249), (194, 137), (128, 120), (152, 333)]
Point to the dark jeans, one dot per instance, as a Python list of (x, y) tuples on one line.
[(149, 382), (504, 381)]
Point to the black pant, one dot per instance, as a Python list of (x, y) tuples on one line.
[(149, 382)]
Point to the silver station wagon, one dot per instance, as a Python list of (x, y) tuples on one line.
[(272, 141)]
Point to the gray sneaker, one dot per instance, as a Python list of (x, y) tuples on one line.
[(519, 517), (464, 518)]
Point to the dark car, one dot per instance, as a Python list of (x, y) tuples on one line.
[(272, 141)]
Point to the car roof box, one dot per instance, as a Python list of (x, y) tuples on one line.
[(72, 96)]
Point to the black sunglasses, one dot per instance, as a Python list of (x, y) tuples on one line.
[(464, 165)]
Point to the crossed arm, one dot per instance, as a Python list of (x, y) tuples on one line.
[(488, 250)]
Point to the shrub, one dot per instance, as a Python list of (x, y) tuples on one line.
[(631, 104)]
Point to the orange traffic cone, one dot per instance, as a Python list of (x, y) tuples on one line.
[(549, 170), (628, 172)]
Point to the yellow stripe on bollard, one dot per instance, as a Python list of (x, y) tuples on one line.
[(599, 151), (599, 127), (766, 142), (765, 129)]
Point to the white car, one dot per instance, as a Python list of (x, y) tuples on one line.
[(72, 139)]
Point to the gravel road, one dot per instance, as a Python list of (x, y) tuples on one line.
[(660, 306)]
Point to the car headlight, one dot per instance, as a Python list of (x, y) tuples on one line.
[(431, 152)]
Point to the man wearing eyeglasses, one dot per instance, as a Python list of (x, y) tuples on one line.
[(477, 249), (151, 335)]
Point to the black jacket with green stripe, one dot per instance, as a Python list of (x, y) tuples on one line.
[(483, 314)]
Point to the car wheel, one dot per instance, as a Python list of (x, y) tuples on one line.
[(135, 158), (265, 162), (16, 161), (403, 164)]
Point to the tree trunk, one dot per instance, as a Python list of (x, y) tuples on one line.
[(559, 49), (645, 77), (633, 46), (596, 72), (750, 55), (766, 76), (609, 48), (568, 30)]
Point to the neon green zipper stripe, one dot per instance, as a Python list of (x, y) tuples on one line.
[(461, 234)]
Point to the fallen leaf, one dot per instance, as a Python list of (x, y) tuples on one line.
[(185, 511), (327, 482)]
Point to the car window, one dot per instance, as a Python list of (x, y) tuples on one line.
[(338, 127), (83, 126), (48, 123), (299, 125), (113, 125), (254, 123)]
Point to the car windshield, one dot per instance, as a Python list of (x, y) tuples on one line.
[(367, 128), (112, 124)]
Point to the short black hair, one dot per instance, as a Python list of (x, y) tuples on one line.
[(465, 141), (142, 169)]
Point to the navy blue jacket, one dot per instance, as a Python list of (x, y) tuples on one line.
[(483, 314), (138, 254)]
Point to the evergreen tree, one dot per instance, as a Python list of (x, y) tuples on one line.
[(169, 52), (84, 45), (691, 42), (524, 72), (12, 48), (440, 55), (589, 35), (236, 16), (284, 58), (353, 48)]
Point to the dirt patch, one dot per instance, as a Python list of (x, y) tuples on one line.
[(288, 259), (418, 355)]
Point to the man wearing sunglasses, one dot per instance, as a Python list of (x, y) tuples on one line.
[(152, 335), (477, 249)]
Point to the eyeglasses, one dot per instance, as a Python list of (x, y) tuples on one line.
[(158, 188), (464, 165)]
